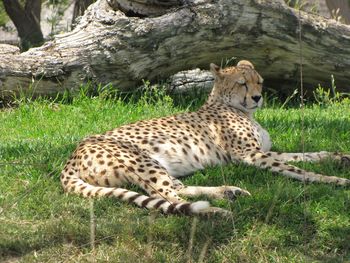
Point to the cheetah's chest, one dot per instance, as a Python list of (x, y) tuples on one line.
[(263, 137)]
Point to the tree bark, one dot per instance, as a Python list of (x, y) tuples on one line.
[(107, 46), (27, 21)]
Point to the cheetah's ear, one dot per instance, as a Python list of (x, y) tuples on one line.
[(215, 69), (245, 64)]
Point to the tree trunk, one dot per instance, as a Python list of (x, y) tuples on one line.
[(79, 8), (107, 46), (339, 9), (26, 20)]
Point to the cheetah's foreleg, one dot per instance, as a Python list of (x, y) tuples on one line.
[(266, 160), (309, 156), (218, 192)]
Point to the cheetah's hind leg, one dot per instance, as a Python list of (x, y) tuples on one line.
[(101, 167)]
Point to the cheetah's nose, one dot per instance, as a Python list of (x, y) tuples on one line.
[(256, 98)]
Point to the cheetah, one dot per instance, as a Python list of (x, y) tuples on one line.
[(153, 154)]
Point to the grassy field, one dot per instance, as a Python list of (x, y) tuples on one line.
[(283, 220)]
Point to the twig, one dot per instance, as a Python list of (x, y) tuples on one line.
[(190, 242)]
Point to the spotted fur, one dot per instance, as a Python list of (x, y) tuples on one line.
[(153, 154)]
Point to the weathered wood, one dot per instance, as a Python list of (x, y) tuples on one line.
[(109, 47), (145, 8), (189, 80)]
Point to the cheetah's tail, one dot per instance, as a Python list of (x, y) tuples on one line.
[(79, 186)]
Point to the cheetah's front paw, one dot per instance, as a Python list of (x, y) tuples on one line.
[(345, 160), (232, 192)]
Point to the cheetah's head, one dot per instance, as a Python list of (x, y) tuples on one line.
[(239, 87)]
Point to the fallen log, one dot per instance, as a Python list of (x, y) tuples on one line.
[(121, 46)]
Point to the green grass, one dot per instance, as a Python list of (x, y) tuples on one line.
[(283, 220)]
